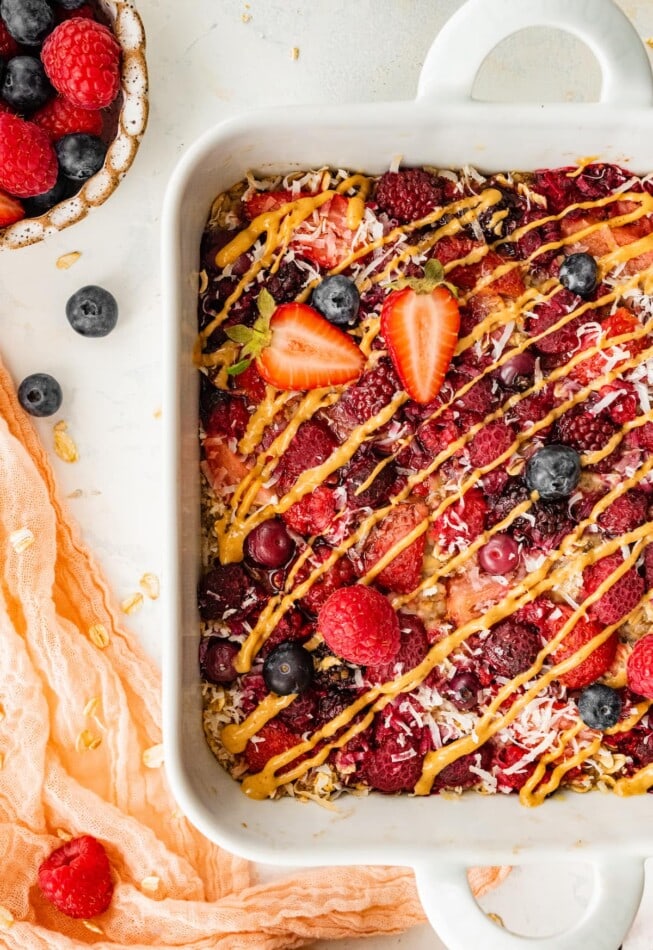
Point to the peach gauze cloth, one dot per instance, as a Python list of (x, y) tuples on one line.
[(173, 887)]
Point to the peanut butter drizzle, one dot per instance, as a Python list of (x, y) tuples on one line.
[(531, 796), (235, 736), (637, 784), (619, 255)]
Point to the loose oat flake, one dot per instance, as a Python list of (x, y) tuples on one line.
[(153, 757), (6, 917), (91, 706), (150, 586), (21, 539), (67, 260), (64, 445), (64, 835), (99, 635), (86, 741), (132, 603), (150, 883), (92, 927)]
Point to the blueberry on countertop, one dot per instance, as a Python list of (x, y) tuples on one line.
[(80, 155), (288, 669), (579, 273), (337, 299), (25, 87), (40, 394), (599, 706), (92, 311), (553, 471)]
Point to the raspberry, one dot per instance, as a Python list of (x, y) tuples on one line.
[(514, 494), (300, 716), (8, 45), (648, 566), (511, 647), (228, 417), (462, 522), (545, 315), (480, 398), (437, 434), (357, 472), (313, 513), (626, 406), (453, 248), (619, 323), (76, 878), (292, 626), (506, 757), (596, 664), (274, 738), (639, 670), (626, 513), (311, 445), (489, 443), (251, 384), (60, 117), (28, 163), (413, 647), (333, 702), (393, 767), (363, 399), (584, 431), (82, 60), (404, 572), (227, 592), (619, 599), (408, 194), (550, 526), (359, 625), (340, 574), (534, 408), (459, 774)]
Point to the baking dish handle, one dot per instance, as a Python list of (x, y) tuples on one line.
[(478, 26), (461, 924)]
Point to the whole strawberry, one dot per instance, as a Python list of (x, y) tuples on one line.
[(82, 60), (359, 625), (76, 878), (28, 163)]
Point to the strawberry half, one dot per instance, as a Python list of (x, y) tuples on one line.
[(296, 348), (420, 324), (11, 210)]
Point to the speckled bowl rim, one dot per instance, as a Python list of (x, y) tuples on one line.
[(132, 120)]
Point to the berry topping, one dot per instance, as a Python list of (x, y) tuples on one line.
[(331, 242), (626, 513), (584, 630), (60, 117), (360, 626), (11, 210), (420, 324), (28, 21), (216, 656), (619, 599), (269, 544), (393, 767), (413, 648), (82, 60), (273, 739), (311, 445), (313, 513), (288, 669), (584, 431), (404, 572), (463, 690), (226, 592), (39, 204), (28, 163), (490, 442), (579, 273), (337, 299), (463, 772), (76, 878), (92, 311), (340, 574), (462, 522), (296, 348), (511, 647), (408, 195), (500, 555), (40, 394), (25, 86), (517, 372), (363, 399), (639, 671), (599, 706), (553, 471), (80, 155)]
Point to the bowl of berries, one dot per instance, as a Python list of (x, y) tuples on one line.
[(73, 109)]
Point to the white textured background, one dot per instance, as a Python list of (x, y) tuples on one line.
[(209, 59)]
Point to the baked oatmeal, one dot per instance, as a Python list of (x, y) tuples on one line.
[(426, 438)]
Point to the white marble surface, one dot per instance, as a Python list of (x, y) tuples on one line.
[(209, 59)]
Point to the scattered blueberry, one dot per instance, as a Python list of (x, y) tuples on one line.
[(500, 555), (80, 155), (553, 471), (288, 669), (269, 544), (216, 656), (337, 299), (463, 690), (92, 311), (28, 21), (25, 86), (40, 394), (599, 706), (579, 273)]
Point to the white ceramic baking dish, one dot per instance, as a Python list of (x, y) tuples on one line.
[(444, 126)]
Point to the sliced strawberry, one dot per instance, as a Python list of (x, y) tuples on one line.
[(263, 201), (510, 284), (307, 352), (619, 323), (421, 331), (626, 235), (331, 242), (598, 241), (11, 210), (470, 593), (404, 572), (224, 468), (584, 630)]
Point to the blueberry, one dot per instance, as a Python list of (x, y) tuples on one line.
[(40, 394), (80, 155), (92, 311), (288, 669), (553, 471), (337, 299), (579, 273), (39, 204), (599, 706), (70, 4), (28, 21), (25, 86)]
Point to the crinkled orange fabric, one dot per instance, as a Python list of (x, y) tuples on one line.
[(56, 780)]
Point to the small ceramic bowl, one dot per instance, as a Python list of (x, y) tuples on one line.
[(131, 121)]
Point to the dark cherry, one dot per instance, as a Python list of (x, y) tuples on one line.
[(216, 657), (500, 555), (269, 544), (520, 366), (463, 690)]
